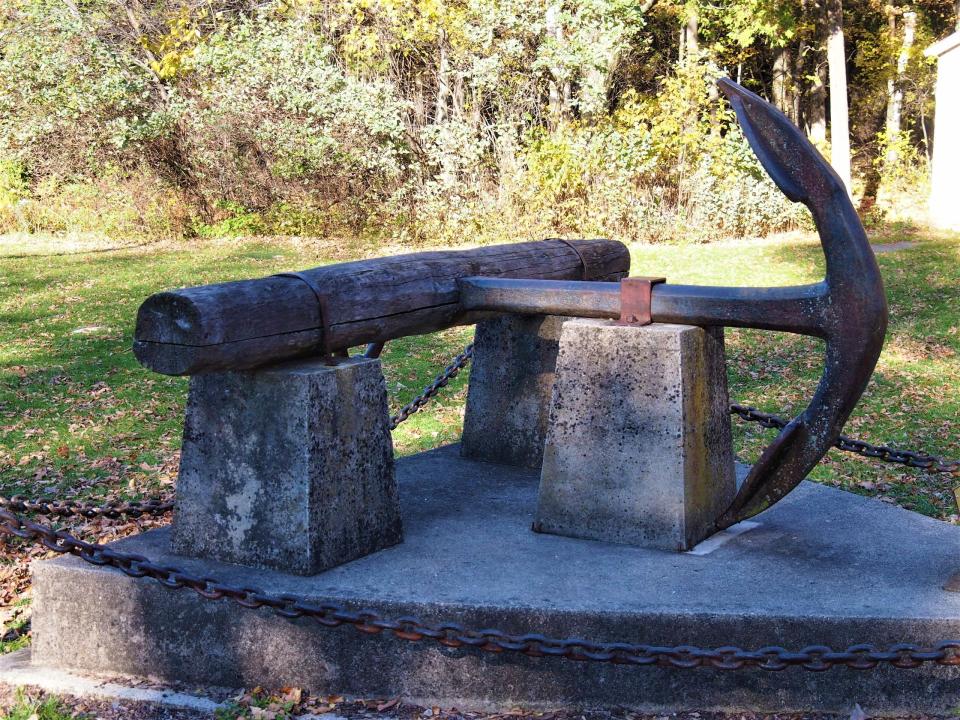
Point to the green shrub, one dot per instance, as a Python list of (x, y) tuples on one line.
[(271, 117), (213, 122), (14, 185), (674, 166), (70, 103), (133, 208), (236, 221)]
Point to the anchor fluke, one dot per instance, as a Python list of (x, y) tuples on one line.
[(851, 311)]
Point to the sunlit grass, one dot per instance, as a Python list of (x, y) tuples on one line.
[(29, 706)]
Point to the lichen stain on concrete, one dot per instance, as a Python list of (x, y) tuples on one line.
[(241, 504)]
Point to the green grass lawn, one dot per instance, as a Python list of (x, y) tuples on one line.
[(79, 416)]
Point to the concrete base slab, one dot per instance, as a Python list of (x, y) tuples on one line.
[(823, 566)]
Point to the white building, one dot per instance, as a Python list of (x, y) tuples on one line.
[(945, 188)]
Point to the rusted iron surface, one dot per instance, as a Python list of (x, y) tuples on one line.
[(635, 294), (847, 309)]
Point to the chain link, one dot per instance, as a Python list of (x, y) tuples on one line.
[(455, 635), (431, 390), (858, 447), (113, 510)]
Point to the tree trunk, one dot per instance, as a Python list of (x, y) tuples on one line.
[(692, 33), (894, 84), (815, 69), (817, 108), (783, 82), (458, 96), (443, 83), (839, 112), (476, 108), (419, 104), (558, 88), (554, 91)]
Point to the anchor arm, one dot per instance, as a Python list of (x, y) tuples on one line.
[(853, 316)]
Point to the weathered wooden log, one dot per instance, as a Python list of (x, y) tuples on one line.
[(245, 324)]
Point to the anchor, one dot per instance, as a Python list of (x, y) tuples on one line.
[(325, 311), (290, 499)]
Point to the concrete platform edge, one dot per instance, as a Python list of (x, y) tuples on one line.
[(804, 576)]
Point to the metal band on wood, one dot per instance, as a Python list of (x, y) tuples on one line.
[(585, 271), (321, 307)]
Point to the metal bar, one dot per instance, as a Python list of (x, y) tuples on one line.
[(795, 309)]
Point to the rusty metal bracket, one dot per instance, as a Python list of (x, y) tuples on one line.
[(636, 294)]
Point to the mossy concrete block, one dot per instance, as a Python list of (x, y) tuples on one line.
[(289, 467), (638, 449), (511, 383)]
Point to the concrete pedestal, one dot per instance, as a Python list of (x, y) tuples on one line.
[(511, 382), (638, 448), (823, 566), (290, 467)]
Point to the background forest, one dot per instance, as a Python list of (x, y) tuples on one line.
[(446, 120)]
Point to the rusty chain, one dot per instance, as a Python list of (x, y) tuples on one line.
[(858, 447), (455, 635), (431, 390), (744, 412), (157, 507), (73, 508)]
